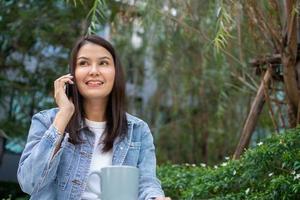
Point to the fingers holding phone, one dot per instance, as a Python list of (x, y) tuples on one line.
[(60, 86)]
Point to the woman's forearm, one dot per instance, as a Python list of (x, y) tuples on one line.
[(60, 122)]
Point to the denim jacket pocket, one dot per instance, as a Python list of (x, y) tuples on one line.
[(133, 154), (65, 166)]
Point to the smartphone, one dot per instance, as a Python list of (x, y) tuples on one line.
[(69, 87), (69, 90)]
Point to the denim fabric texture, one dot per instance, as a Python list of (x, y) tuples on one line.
[(65, 175)]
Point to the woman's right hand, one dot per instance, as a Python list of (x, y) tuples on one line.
[(63, 102)]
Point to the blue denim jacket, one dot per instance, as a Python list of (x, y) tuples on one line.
[(65, 175)]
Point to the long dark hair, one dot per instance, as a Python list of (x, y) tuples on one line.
[(116, 124)]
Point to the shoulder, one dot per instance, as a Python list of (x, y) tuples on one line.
[(138, 125), (139, 131), (135, 120), (46, 116)]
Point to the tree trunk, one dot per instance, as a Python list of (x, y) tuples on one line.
[(255, 110), (289, 56)]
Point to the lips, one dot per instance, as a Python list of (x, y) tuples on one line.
[(94, 83)]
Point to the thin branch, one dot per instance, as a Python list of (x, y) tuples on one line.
[(267, 24), (197, 31), (267, 99), (259, 22), (245, 82), (275, 5), (254, 21), (278, 104)]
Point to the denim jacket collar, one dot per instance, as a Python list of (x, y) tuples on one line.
[(130, 120)]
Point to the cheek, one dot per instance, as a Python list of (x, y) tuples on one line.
[(110, 75), (79, 74), (78, 78), (113, 76)]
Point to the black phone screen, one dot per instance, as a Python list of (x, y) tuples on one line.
[(69, 87), (69, 90)]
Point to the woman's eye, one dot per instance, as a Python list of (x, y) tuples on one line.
[(82, 63), (103, 63)]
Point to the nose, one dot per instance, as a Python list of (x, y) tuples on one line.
[(94, 70)]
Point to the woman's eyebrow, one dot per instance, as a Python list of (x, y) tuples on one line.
[(104, 57), (82, 57), (100, 58)]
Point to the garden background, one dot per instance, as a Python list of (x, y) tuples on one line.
[(211, 78)]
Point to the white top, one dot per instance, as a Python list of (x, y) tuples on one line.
[(99, 159)]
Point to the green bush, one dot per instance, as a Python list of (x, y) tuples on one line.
[(269, 171)]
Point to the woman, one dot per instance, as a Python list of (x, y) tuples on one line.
[(87, 131)]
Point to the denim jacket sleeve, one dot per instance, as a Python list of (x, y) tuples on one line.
[(150, 186), (37, 168)]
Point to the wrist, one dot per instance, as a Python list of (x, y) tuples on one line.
[(57, 130), (61, 120), (66, 112)]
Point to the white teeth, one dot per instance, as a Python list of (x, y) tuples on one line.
[(94, 82)]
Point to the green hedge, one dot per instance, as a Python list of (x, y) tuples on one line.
[(269, 171)]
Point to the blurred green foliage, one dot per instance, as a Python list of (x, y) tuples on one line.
[(35, 40)]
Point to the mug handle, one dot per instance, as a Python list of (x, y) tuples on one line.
[(89, 185)]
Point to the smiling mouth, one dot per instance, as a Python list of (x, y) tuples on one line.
[(94, 83)]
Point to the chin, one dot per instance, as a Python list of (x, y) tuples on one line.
[(96, 96)]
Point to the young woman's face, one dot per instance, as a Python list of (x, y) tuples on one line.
[(94, 72)]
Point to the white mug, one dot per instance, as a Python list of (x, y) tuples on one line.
[(116, 183)]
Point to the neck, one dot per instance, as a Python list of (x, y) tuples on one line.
[(95, 109)]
